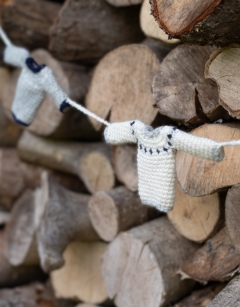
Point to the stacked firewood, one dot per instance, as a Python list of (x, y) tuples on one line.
[(73, 231)]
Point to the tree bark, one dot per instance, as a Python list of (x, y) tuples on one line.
[(77, 35), (131, 68), (201, 298), (27, 22), (91, 162), (64, 218), (83, 264), (13, 276), (21, 232), (181, 91), (117, 210), (195, 218), (212, 22), (228, 297), (150, 27), (232, 215), (49, 121), (147, 252), (222, 68), (199, 177), (217, 260)]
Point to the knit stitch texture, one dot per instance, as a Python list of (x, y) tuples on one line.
[(156, 157)]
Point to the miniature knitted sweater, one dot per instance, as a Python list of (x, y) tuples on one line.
[(33, 84), (156, 157)]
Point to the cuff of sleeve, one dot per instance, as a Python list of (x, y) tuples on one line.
[(64, 106), (218, 153)]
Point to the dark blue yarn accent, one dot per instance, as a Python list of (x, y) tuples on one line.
[(165, 149), (145, 149), (140, 146), (174, 128), (132, 123), (150, 151), (137, 140), (34, 66), (169, 136), (132, 132), (169, 144), (64, 105), (158, 151), (19, 121)]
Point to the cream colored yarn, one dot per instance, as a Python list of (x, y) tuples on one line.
[(156, 157)]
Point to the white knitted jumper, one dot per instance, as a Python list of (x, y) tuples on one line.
[(156, 157), (33, 84)]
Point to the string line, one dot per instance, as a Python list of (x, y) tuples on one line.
[(4, 37)]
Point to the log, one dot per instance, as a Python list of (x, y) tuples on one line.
[(212, 22), (195, 218), (150, 27), (217, 260), (33, 295), (231, 213), (146, 252), (4, 218), (27, 22), (12, 182), (229, 296), (21, 232), (64, 218), (124, 158), (186, 96), (75, 38), (201, 298), (199, 177), (4, 78), (83, 264), (49, 121), (119, 3), (131, 68), (221, 67), (89, 161), (117, 210), (13, 276)]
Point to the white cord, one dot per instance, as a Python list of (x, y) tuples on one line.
[(230, 143), (4, 37), (87, 112)]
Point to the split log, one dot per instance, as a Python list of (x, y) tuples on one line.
[(49, 121), (228, 297), (74, 38), (195, 218), (201, 298), (186, 96), (13, 276), (64, 218), (199, 177), (131, 68), (4, 79), (217, 260), (21, 232), (27, 22), (222, 68), (83, 264), (159, 49), (124, 158), (124, 2), (147, 252), (232, 207), (212, 22), (150, 27), (117, 210), (91, 162), (32, 295)]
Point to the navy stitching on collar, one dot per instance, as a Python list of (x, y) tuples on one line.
[(132, 123), (34, 66)]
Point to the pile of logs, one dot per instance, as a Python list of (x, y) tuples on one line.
[(73, 231)]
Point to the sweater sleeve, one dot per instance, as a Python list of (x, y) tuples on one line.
[(119, 133), (198, 146)]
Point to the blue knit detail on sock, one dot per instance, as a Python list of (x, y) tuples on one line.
[(2, 52), (64, 105), (34, 66), (19, 121)]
